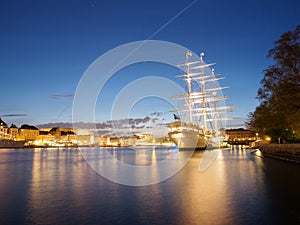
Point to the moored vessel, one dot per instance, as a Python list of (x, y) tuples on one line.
[(187, 136), (198, 122)]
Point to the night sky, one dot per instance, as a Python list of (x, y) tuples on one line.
[(46, 46)]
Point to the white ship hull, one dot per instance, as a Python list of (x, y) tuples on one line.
[(188, 140)]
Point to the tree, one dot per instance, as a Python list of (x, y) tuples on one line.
[(278, 114)]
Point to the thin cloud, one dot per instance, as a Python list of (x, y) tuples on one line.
[(154, 120), (156, 114), (133, 123), (59, 96), (58, 124), (14, 115)]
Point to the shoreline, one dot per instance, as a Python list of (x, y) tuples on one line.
[(84, 146), (286, 152)]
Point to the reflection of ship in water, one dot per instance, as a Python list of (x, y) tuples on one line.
[(198, 121)]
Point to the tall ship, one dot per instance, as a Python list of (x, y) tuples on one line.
[(201, 116)]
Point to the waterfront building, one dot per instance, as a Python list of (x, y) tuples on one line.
[(84, 136), (132, 140), (56, 132), (45, 138), (56, 136), (13, 132), (68, 136), (3, 129), (28, 132), (84, 139), (101, 140), (240, 135)]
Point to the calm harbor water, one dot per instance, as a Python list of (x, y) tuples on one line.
[(51, 186)]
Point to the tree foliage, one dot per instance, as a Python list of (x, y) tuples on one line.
[(278, 114)]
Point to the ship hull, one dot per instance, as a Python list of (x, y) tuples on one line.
[(11, 144), (188, 140), (214, 142)]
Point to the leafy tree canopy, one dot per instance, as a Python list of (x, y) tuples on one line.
[(278, 114)]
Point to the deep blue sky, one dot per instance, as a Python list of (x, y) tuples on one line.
[(45, 46)]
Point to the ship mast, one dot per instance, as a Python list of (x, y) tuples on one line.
[(189, 86), (215, 104), (202, 104), (203, 95)]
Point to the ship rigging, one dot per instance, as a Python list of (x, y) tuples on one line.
[(203, 110)]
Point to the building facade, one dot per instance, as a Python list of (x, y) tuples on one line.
[(240, 136), (3, 129)]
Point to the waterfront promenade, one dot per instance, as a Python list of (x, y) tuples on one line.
[(288, 152)]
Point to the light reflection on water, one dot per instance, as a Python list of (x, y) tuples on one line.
[(136, 166), (51, 186)]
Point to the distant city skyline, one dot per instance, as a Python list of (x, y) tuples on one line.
[(46, 46)]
